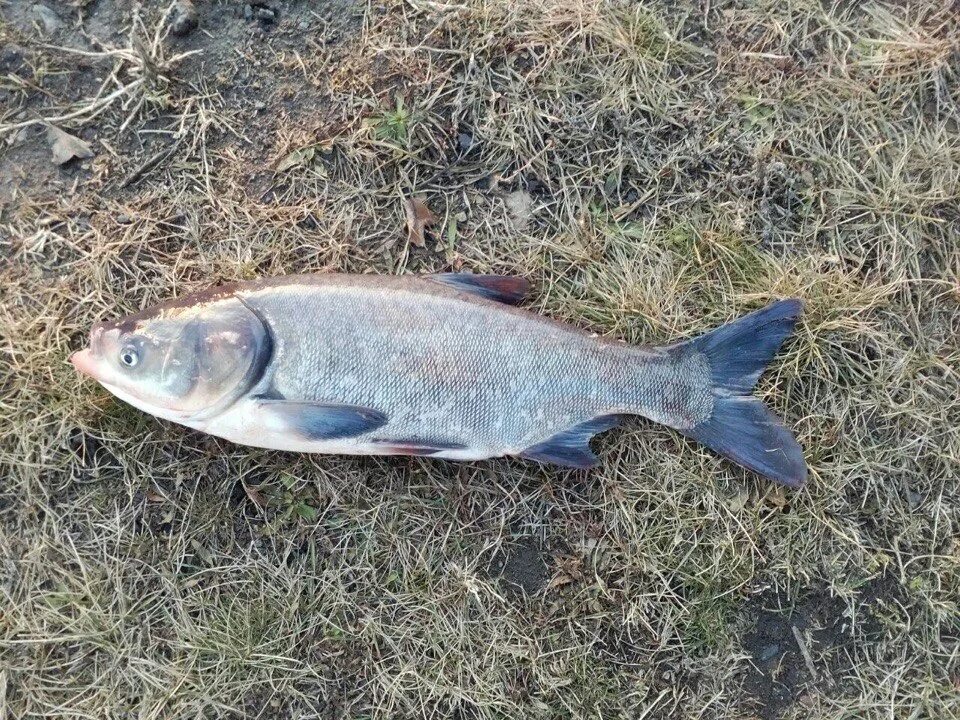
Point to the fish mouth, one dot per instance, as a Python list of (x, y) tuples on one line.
[(85, 363)]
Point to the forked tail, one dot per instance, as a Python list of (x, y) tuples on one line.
[(740, 426)]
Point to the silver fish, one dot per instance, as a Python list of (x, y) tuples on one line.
[(438, 365)]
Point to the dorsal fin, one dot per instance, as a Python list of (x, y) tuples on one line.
[(571, 448), (508, 289)]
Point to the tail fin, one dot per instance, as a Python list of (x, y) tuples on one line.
[(741, 427)]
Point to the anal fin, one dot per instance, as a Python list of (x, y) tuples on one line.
[(571, 448)]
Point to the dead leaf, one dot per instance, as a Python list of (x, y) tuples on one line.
[(739, 501), (776, 497), (155, 497), (302, 156), (569, 568), (419, 218), (65, 147), (520, 208), (201, 552), (256, 497), (559, 580)]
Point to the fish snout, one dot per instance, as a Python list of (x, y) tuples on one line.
[(84, 362)]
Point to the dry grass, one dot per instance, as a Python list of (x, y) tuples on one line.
[(683, 168)]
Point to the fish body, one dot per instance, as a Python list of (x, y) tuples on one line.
[(439, 365)]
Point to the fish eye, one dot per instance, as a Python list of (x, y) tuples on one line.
[(129, 356)]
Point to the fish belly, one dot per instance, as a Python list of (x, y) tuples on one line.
[(243, 424)]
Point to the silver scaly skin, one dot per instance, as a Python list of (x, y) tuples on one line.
[(455, 367)]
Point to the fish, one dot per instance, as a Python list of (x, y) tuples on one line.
[(444, 366)]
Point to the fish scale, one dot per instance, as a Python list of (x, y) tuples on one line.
[(428, 363)]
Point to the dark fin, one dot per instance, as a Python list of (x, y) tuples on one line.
[(739, 351), (745, 431), (741, 427), (415, 446), (315, 421), (571, 448), (502, 288)]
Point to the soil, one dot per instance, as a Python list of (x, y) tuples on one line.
[(522, 567), (779, 674), (233, 44)]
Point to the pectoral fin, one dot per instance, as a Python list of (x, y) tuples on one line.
[(571, 448), (316, 421), (502, 288)]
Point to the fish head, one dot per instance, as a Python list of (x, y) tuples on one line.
[(179, 360)]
